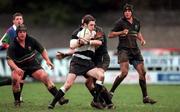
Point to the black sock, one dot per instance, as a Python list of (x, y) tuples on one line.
[(93, 93), (16, 96), (21, 87), (116, 83), (105, 95), (53, 91), (7, 81), (57, 97), (142, 84), (98, 89)]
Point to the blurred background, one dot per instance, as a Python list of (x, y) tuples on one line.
[(56, 19), (53, 21)]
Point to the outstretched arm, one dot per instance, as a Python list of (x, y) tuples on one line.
[(119, 33), (60, 55)]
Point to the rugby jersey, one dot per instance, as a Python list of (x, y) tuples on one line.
[(25, 57)]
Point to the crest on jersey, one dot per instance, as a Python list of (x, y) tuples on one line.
[(136, 27), (29, 48)]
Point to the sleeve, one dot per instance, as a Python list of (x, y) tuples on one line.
[(37, 45), (139, 26), (6, 38), (74, 34), (81, 33), (117, 27), (84, 32), (10, 53)]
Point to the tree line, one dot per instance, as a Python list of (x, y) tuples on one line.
[(64, 10)]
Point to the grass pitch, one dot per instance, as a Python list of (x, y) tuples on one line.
[(127, 98)]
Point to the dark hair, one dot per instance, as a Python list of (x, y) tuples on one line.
[(87, 18), (21, 27), (128, 7), (17, 14)]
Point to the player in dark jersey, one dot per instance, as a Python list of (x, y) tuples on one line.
[(81, 63), (127, 29), (22, 59)]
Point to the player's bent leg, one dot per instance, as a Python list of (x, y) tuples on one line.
[(16, 80), (43, 77), (69, 82), (124, 71), (89, 83), (142, 82), (96, 73), (5, 81)]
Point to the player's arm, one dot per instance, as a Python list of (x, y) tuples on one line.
[(42, 51), (61, 55), (11, 63), (118, 30), (46, 58), (78, 40), (141, 38), (95, 42), (75, 43), (15, 68), (118, 33)]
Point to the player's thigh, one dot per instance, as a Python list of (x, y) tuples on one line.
[(123, 56), (41, 75), (96, 73)]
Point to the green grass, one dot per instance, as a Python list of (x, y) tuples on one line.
[(127, 98)]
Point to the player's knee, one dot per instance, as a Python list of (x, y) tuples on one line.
[(101, 77)]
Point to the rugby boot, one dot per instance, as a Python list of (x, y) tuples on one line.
[(97, 105), (17, 103), (63, 101), (148, 100), (110, 106), (50, 106), (111, 95)]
